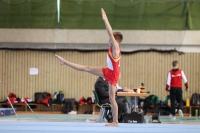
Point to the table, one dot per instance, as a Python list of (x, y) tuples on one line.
[(134, 95)]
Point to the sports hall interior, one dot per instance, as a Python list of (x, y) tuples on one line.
[(155, 32)]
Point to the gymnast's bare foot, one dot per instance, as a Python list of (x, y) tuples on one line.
[(113, 124), (60, 59)]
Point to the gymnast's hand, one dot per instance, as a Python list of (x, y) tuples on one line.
[(61, 60), (104, 17)]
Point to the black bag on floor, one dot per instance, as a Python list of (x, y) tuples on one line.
[(134, 117), (148, 101), (68, 105), (195, 99)]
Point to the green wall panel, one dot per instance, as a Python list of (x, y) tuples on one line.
[(124, 14), (28, 14), (194, 15), (85, 14)]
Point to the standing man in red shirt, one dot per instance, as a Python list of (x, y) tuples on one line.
[(174, 85), (112, 72)]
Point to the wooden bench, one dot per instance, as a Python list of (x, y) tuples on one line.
[(187, 110), (30, 104), (53, 107), (195, 107)]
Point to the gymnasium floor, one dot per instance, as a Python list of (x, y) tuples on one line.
[(77, 124), (78, 127)]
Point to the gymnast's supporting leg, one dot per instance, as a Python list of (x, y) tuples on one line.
[(112, 92), (93, 70)]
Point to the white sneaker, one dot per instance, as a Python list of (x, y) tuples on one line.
[(173, 118), (180, 113), (72, 113)]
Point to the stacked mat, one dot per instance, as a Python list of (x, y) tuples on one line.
[(6, 112)]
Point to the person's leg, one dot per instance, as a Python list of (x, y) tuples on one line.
[(112, 92), (93, 70), (179, 100), (172, 99)]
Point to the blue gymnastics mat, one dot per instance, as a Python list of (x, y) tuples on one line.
[(81, 127), (6, 112)]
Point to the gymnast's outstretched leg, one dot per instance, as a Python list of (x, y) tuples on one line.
[(93, 70)]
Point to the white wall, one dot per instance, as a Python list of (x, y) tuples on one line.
[(146, 38)]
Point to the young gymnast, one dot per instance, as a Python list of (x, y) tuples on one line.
[(112, 72)]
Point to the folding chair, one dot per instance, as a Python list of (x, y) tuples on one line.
[(101, 106)]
